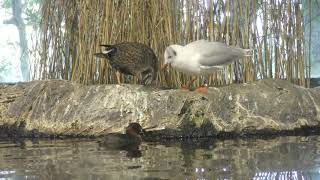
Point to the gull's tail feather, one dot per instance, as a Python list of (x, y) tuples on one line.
[(107, 46), (107, 52), (100, 55), (247, 52)]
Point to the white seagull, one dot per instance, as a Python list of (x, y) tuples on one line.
[(201, 57)]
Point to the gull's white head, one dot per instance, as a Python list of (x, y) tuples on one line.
[(170, 55)]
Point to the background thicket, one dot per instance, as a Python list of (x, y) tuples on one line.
[(71, 31)]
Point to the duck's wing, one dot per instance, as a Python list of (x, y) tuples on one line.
[(216, 53)]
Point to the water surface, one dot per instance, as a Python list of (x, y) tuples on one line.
[(279, 158)]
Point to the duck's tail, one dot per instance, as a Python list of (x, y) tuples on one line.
[(107, 52)]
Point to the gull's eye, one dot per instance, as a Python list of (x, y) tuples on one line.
[(174, 53)]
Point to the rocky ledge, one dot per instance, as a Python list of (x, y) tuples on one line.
[(63, 108)]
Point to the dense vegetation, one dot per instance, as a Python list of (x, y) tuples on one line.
[(70, 32)]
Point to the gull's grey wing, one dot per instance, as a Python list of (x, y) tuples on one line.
[(216, 53), (196, 43)]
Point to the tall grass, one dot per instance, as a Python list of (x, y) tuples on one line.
[(72, 30)]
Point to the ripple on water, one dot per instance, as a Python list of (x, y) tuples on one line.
[(279, 158)]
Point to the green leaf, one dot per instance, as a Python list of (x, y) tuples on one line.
[(6, 4)]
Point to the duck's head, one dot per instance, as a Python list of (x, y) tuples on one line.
[(170, 55), (134, 129)]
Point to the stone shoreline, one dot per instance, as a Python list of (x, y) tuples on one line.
[(58, 108)]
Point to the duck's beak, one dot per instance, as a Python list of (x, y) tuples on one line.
[(164, 66)]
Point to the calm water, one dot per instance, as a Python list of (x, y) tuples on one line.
[(280, 158)]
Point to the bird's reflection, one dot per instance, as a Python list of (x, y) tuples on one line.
[(129, 142), (132, 150)]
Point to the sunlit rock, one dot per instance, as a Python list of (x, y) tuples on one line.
[(57, 107)]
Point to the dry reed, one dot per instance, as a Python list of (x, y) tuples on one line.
[(72, 30)]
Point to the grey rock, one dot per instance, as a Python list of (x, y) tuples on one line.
[(58, 107)]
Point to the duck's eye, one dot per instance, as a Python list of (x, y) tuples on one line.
[(169, 57)]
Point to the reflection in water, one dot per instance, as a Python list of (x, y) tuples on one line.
[(133, 151), (280, 158)]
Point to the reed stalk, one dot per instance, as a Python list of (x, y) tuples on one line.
[(71, 31)]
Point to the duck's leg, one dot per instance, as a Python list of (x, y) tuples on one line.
[(118, 77)]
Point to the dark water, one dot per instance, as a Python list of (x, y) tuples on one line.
[(280, 158)]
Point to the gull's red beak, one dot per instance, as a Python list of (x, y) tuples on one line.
[(164, 66)]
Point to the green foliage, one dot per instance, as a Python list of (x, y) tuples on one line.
[(30, 10), (6, 4), (4, 69)]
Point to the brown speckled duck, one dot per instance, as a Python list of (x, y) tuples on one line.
[(131, 58)]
